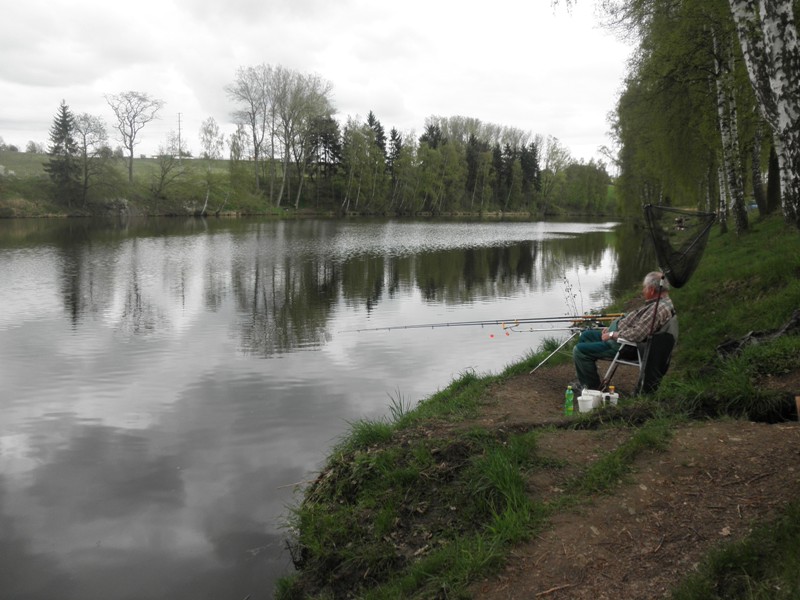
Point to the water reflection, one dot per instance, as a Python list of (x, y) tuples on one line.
[(165, 382)]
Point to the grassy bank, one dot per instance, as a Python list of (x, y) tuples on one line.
[(400, 513), (159, 187)]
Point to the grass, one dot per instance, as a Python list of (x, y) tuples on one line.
[(606, 472), (26, 164), (399, 514), (761, 567), (25, 189)]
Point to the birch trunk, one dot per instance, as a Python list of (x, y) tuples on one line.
[(285, 175), (768, 37), (755, 169), (727, 122), (722, 212)]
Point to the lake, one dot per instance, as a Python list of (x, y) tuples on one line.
[(165, 384)]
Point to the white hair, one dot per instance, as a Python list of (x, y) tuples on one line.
[(655, 280)]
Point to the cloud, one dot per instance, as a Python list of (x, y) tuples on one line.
[(519, 65)]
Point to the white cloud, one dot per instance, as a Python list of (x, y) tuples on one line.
[(527, 66)]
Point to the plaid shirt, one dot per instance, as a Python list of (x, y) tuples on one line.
[(636, 326)]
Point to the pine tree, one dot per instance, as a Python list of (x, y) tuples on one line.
[(63, 166)]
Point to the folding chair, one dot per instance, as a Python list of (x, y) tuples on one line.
[(652, 357)]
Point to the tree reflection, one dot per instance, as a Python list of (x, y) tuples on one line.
[(287, 278)]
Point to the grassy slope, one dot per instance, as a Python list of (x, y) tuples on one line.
[(25, 164), (26, 190), (345, 523)]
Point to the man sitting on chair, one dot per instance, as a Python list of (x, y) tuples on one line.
[(594, 344)]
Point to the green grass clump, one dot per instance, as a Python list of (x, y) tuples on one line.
[(612, 467), (764, 566)]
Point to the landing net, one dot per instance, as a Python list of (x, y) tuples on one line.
[(680, 237)]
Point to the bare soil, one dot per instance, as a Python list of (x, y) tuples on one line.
[(712, 485)]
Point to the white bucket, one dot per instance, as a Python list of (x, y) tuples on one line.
[(585, 403), (596, 395)]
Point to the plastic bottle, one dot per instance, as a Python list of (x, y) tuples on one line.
[(569, 398), (613, 396)]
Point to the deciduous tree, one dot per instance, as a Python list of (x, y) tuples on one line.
[(212, 142), (556, 158), (253, 93), (169, 168), (133, 111), (93, 151), (299, 100), (768, 37)]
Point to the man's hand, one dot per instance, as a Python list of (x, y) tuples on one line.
[(605, 335)]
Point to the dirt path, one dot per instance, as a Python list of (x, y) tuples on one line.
[(710, 486)]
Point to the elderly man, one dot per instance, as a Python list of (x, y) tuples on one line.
[(594, 344)]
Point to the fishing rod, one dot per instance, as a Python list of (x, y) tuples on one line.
[(574, 320)]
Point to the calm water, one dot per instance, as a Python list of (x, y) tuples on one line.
[(163, 384)]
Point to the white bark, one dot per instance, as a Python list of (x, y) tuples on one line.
[(727, 121), (768, 36), (722, 212)]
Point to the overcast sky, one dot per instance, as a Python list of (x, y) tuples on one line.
[(514, 63)]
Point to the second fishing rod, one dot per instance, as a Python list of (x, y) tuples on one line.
[(573, 320)]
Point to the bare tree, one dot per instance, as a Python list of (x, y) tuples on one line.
[(169, 167), (299, 99), (250, 92), (277, 105), (92, 141), (133, 110)]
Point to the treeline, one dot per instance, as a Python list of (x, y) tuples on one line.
[(457, 165), (710, 112), (300, 154), (288, 150)]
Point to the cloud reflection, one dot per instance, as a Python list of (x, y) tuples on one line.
[(106, 472)]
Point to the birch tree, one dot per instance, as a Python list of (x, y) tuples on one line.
[(768, 36), (212, 143), (727, 115), (356, 140)]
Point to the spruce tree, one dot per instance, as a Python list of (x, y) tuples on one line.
[(63, 166)]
